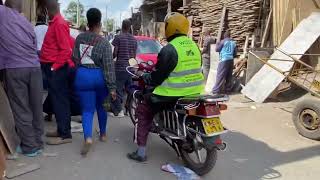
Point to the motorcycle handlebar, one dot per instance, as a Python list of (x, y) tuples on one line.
[(132, 74)]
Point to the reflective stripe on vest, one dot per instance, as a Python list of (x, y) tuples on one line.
[(184, 73), (182, 85), (187, 78)]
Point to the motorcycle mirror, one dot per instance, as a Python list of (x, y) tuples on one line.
[(133, 62)]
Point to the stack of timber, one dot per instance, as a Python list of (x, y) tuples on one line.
[(242, 17), (193, 10)]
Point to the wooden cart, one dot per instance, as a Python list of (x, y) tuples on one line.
[(306, 115)]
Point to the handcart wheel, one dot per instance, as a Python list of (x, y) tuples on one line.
[(306, 118)]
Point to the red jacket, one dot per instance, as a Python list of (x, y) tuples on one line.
[(57, 45)]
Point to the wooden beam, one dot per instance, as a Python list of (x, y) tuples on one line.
[(169, 7), (266, 30), (245, 47), (253, 41), (190, 19), (221, 26), (286, 27)]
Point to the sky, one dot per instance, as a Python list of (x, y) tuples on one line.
[(115, 7)]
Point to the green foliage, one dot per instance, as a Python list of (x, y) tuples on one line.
[(71, 13), (109, 24)]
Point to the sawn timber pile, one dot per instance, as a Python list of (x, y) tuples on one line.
[(241, 19)]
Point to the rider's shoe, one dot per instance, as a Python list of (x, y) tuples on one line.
[(134, 156)]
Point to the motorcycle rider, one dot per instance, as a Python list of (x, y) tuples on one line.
[(177, 74)]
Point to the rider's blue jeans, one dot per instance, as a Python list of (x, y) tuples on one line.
[(92, 91)]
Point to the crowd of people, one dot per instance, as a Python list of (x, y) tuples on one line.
[(85, 72), (75, 72)]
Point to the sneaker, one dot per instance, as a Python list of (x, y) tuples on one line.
[(134, 156), (120, 115), (31, 154), (58, 141), (52, 134), (34, 153)]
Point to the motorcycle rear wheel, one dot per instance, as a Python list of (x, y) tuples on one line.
[(201, 167)]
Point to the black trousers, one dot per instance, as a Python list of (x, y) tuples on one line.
[(59, 89), (24, 89)]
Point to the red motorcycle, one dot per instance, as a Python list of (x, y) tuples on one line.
[(192, 128)]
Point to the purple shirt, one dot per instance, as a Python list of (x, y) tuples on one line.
[(18, 45), (127, 47)]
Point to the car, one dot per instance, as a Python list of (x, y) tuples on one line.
[(148, 49)]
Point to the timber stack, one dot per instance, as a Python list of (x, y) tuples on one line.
[(242, 17), (192, 11)]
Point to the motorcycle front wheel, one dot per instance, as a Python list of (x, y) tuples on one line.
[(201, 159)]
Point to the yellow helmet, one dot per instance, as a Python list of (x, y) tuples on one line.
[(176, 23)]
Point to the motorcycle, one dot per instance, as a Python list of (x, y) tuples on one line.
[(192, 127)]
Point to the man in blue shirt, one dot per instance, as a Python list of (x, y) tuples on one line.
[(228, 51)]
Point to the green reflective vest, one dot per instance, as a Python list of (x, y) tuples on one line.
[(187, 78)]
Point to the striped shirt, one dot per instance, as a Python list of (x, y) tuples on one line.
[(127, 47)]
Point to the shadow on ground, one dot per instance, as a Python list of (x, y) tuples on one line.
[(249, 159)]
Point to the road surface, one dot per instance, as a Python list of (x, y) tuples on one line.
[(262, 144)]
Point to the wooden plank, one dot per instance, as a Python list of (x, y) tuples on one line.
[(267, 79), (245, 47), (7, 127), (222, 20), (169, 7), (266, 30), (286, 26), (294, 18), (21, 171), (190, 19), (214, 61), (253, 41)]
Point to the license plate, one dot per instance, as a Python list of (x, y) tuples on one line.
[(316, 84), (212, 125)]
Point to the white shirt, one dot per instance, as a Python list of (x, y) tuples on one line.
[(86, 51), (40, 31)]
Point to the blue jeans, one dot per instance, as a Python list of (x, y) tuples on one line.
[(92, 91)]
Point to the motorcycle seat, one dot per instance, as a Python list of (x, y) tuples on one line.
[(203, 98)]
